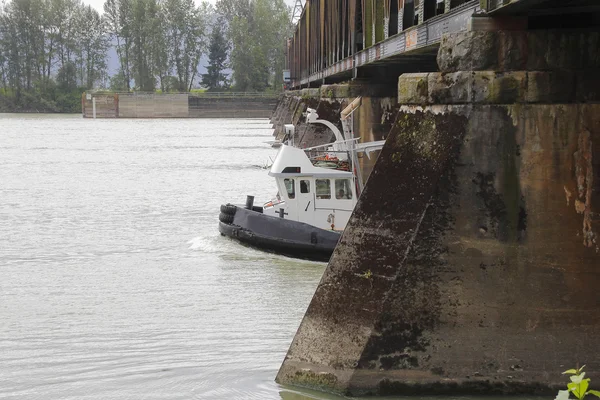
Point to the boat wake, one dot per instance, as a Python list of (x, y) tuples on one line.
[(204, 244)]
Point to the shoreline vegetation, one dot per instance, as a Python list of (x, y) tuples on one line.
[(69, 103), (51, 51)]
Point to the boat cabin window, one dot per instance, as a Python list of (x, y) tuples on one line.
[(323, 188), (343, 189), (304, 186), (289, 188)]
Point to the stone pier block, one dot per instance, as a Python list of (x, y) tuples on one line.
[(454, 87), (499, 87), (355, 89), (492, 87), (315, 93), (551, 87), (588, 86), (413, 88), (519, 51), (335, 91)]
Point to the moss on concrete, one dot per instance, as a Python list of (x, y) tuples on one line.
[(320, 381)]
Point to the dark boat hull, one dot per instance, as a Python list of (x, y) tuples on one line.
[(277, 235)]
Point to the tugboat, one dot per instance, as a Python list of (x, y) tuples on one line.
[(317, 187)]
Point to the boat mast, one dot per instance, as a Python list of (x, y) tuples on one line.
[(347, 117), (346, 142), (313, 118)]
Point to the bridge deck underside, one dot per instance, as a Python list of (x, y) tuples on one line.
[(542, 7), (336, 40), (412, 49)]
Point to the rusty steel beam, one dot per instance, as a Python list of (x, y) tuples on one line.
[(321, 36)]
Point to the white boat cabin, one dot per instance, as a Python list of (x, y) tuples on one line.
[(316, 192)]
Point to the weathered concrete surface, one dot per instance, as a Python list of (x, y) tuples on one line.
[(519, 51), (492, 87), (178, 105), (135, 105), (471, 263), (231, 107), (288, 111), (152, 105)]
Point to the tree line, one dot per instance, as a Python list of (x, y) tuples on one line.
[(53, 50)]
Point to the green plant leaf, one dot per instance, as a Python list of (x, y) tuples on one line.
[(583, 386), (570, 371), (562, 395), (577, 378), (579, 389), (594, 392), (572, 386)]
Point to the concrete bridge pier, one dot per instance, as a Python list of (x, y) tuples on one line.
[(471, 263)]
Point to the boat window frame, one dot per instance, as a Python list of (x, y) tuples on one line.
[(320, 196), (307, 186), (347, 189), (289, 195)]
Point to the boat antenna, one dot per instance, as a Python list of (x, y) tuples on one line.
[(297, 12)]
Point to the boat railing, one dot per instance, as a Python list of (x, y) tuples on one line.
[(324, 156), (327, 145), (324, 153)]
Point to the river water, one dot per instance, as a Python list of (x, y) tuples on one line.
[(114, 280)]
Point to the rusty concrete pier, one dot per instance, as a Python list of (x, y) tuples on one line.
[(471, 264)]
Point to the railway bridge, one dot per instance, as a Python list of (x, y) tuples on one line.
[(471, 263)]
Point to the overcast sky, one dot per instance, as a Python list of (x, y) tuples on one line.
[(98, 4)]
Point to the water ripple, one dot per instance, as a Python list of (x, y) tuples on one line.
[(115, 281)]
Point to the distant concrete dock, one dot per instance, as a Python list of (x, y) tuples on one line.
[(178, 105)]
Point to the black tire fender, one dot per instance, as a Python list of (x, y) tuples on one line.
[(228, 209), (226, 218)]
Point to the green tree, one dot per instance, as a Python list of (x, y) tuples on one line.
[(229, 9), (42, 38), (215, 78), (92, 47), (117, 83), (258, 40), (184, 25), (65, 17), (145, 15), (66, 78), (118, 16), (159, 55)]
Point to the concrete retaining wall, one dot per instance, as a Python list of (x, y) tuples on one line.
[(178, 105), (153, 106), (107, 105), (231, 107)]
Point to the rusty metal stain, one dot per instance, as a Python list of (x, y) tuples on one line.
[(584, 174), (411, 39), (568, 195)]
